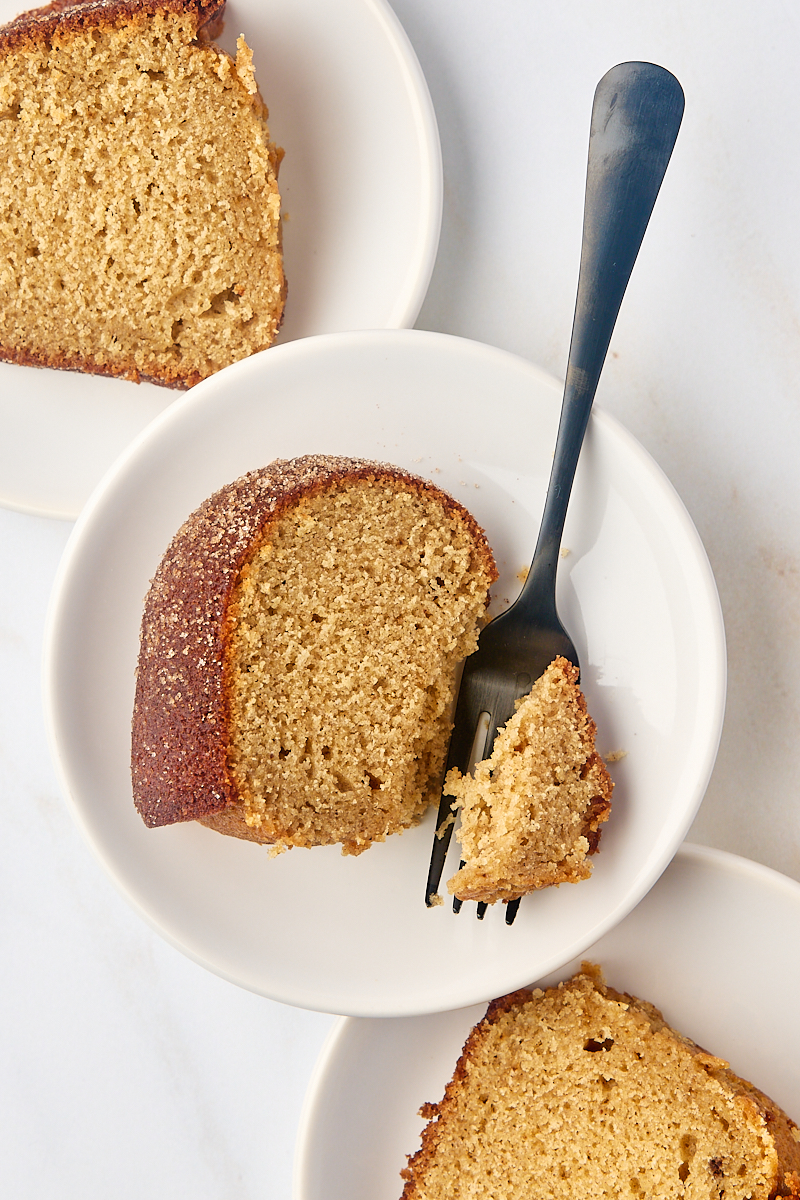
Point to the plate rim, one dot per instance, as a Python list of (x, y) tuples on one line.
[(715, 704), (431, 197), (721, 861)]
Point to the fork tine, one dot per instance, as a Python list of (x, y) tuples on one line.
[(441, 844), (497, 718), (458, 755), (456, 902), (478, 694), (512, 907)]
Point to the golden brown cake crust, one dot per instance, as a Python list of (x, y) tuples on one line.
[(85, 366), (37, 25), (783, 1131), (179, 735)]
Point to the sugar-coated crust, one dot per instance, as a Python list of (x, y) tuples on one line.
[(787, 1182), (38, 25), (181, 710)]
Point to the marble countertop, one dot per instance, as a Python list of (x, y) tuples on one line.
[(129, 1071)]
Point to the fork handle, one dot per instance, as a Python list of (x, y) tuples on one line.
[(635, 120)]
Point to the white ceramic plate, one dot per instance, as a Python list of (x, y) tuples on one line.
[(712, 945), (352, 935), (361, 185)]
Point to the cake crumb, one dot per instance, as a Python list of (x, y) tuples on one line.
[(449, 820), (244, 66)]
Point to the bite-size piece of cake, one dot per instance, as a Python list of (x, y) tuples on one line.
[(531, 812)]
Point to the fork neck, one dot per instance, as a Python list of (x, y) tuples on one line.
[(539, 592)]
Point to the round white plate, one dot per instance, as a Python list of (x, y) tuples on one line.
[(712, 946), (353, 935), (362, 196)]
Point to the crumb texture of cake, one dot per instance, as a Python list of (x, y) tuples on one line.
[(298, 654), (581, 1091), (531, 812), (140, 214)]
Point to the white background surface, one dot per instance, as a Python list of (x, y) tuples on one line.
[(130, 1072)]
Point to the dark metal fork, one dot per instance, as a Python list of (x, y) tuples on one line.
[(635, 120)]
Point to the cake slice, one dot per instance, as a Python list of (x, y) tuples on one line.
[(140, 229), (298, 653), (531, 813), (581, 1091)]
